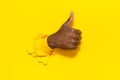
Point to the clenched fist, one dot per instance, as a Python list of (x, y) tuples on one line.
[(66, 37)]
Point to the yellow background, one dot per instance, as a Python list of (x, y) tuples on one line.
[(98, 58)]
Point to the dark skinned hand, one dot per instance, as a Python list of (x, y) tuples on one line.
[(66, 37)]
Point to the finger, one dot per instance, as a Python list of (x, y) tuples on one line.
[(77, 42), (77, 31), (70, 19), (72, 46), (77, 37)]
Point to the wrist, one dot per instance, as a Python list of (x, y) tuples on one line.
[(51, 41)]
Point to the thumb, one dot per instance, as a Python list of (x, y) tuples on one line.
[(70, 19)]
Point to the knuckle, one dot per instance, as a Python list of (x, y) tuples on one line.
[(73, 41), (73, 47), (73, 35), (77, 43), (72, 30), (76, 37)]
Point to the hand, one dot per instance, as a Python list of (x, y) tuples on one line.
[(66, 37)]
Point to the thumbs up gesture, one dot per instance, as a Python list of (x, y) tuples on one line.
[(66, 37)]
